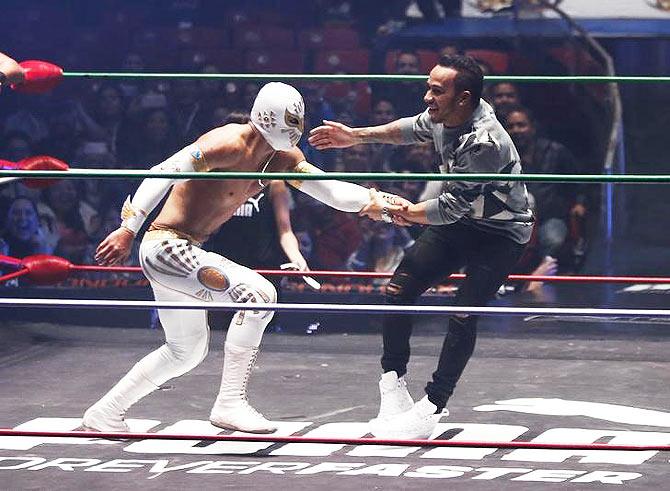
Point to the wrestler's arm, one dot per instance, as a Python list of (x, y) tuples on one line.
[(151, 191), (343, 196), (115, 248)]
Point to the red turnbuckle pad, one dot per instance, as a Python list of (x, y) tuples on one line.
[(41, 162), (44, 269)]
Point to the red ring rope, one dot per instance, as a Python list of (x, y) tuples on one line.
[(13, 262), (342, 441), (372, 274), (13, 274)]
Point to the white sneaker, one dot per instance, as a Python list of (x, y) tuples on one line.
[(104, 420), (394, 399), (394, 396), (418, 422), (231, 410)]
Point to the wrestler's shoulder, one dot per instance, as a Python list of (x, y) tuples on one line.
[(288, 158), (228, 139)]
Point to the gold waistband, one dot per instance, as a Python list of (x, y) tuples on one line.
[(168, 233)]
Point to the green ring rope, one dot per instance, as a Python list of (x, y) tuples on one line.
[(347, 176), (374, 77)]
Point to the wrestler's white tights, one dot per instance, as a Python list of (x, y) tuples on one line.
[(187, 331)]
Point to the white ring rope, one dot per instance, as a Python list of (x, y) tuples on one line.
[(329, 308)]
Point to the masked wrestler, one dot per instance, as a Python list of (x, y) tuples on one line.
[(179, 270)]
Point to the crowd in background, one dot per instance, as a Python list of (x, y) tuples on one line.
[(138, 122)]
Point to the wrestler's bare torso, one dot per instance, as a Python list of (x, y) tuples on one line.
[(199, 207)]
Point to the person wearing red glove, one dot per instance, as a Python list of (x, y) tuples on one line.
[(31, 76)]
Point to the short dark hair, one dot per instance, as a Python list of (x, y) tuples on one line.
[(239, 117), (469, 77), (506, 109)]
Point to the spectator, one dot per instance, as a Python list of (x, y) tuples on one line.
[(186, 110), (64, 131), (449, 50), (503, 94), (153, 139), (382, 248), (17, 146), (30, 118), (336, 237), (354, 159), (131, 88), (383, 111), (106, 117), (407, 97), (94, 154), (318, 110), (22, 235), (71, 219), (213, 91), (556, 205)]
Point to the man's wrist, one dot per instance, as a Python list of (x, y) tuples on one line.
[(359, 136)]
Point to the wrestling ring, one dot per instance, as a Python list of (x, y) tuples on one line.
[(567, 408)]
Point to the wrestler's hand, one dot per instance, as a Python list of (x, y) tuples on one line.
[(115, 248), (332, 135), (378, 208)]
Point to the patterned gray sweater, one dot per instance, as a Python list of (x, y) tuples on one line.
[(481, 145)]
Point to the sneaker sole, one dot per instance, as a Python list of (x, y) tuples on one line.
[(95, 430), (225, 426)]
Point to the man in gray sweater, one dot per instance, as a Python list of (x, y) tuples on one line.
[(482, 226)]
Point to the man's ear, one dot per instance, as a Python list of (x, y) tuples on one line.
[(464, 98)]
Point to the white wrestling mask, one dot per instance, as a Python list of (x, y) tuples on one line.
[(279, 114)]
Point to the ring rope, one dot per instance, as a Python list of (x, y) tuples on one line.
[(13, 274), (375, 274), (12, 262), (586, 79), (341, 441), (349, 176), (330, 308)]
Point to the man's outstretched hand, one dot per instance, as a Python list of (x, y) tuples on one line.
[(332, 135)]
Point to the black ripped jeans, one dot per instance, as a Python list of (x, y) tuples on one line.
[(438, 252)]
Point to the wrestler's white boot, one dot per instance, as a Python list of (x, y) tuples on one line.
[(232, 410), (109, 412)]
